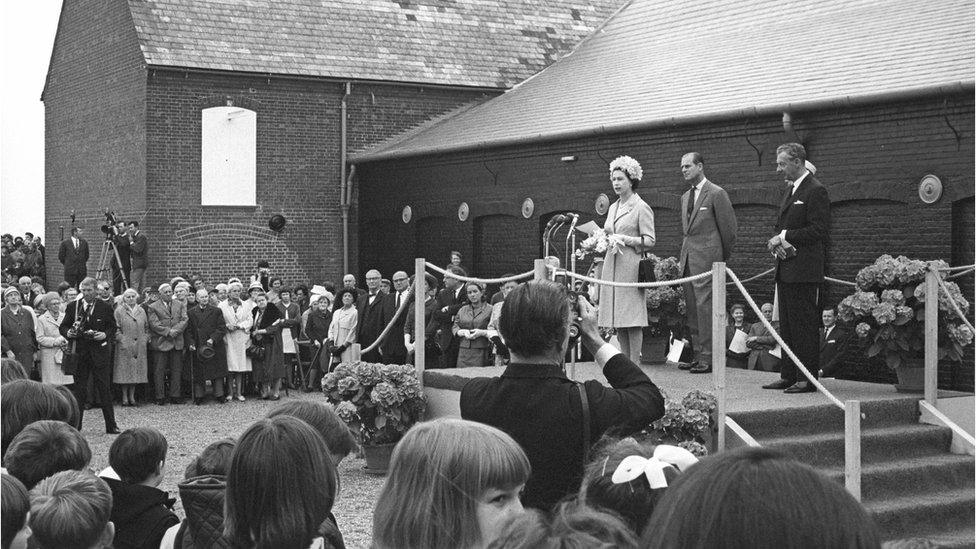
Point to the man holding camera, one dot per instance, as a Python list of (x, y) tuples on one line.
[(90, 323), (552, 417)]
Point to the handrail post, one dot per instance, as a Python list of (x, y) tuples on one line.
[(357, 352), (852, 447), (540, 270), (932, 335), (718, 346), (419, 321)]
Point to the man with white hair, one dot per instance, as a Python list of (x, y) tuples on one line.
[(394, 351), (373, 316), (167, 320), (205, 338), (27, 295)]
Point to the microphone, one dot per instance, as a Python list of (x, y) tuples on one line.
[(558, 218)]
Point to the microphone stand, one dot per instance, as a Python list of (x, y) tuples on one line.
[(570, 249)]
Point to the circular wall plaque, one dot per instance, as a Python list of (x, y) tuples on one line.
[(602, 204), (527, 208), (463, 211), (930, 189), (407, 214)]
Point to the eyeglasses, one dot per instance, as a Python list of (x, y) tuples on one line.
[(400, 279)]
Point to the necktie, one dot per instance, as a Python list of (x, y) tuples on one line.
[(398, 301), (691, 202)]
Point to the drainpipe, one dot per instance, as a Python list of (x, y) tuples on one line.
[(345, 189)]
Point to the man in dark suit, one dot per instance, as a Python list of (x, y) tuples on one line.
[(432, 353), (449, 302), (799, 247), (373, 312), (394, 350), (27, 294), (542, 409), (90, 322), (73, 254), (833, 343), (138, 256), (709, 228)]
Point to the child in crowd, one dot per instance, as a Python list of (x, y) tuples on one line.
[(321, 416), (571, 526), (758, 498), (280, 459), (452, 484), (202, 494), (628, 478), (46, 447), (71, 510), (10, 370), (141, 512), (23, 402), (15, 508)]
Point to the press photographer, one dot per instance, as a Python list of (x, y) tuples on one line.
[(552, 417)]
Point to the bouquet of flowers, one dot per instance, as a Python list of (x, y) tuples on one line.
[(666, 306), (888, 311), (685, 422), (379, 401), (598, 243)]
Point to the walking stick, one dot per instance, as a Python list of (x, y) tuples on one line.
[(313, 363)]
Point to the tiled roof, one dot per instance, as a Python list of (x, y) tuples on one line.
[(482, 43), (668, 61)]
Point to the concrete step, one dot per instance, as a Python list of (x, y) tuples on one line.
[(824, 418), (905, 477), (826, 450), (925, 515)]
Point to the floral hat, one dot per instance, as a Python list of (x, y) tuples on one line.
[(629, 166)]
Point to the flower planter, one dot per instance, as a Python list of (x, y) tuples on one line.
[(377, 458), (911, 376)]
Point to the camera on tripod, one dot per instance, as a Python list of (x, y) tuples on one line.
[(110, 228), (575, 328)]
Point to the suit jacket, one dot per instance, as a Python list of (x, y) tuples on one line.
[(162, 319), (75, 261), (101, 319), (204, 324), (759, 357), (832, 350), (710, 234), (393, 345), (467, 319), (430, 325), (372, 318), (139, 251), (122, 244), (453, 300), (805, 216), (541, 409)]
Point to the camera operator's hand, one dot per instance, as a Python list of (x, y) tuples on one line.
[(98, 336), (589, 315)]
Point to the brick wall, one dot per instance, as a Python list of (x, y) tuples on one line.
[(870, 158), (94, 116)]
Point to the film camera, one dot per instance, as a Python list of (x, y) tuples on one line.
[(110, 228), (575, 328), (80, 331)]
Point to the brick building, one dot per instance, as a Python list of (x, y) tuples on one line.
[(203, 119), (881, 95)]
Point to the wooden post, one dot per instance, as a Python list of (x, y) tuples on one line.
[(357, 352), (718, 346), (932, 335), (852, 447), (420, 324), (540, 270)]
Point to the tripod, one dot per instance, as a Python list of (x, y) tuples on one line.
[(109, 250)]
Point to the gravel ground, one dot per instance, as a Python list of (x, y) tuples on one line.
[(190, 428)]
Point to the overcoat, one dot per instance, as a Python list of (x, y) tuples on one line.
[(131, 365), (626, 307), (207, 324), (272, 365)]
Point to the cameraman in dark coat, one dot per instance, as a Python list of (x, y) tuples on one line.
[(542, 409), (90, 322), (204, 335)]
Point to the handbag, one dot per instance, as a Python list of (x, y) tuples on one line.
[(69, 360), (254, 351), (645, 269)]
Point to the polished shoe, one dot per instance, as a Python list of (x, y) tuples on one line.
[(113, 431), (687, 365), (161, 402), (176, 401), (701, 369), (240, 398), (781, 384), (801, 387), (197, 401), (275, 397)]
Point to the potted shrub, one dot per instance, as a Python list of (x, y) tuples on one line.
[(887, 310), (379, 402), (688, 423), (666, 308)]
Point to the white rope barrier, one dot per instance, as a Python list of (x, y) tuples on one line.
[(957, 268), (785, 347), (754, 277), (952, 301), (386, 331), (571, 274), (466, 279), (961, 273), (839, 281)]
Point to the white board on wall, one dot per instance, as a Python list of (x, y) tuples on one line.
[(228, 157)]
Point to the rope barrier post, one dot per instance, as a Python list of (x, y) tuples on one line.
[(357, 353), (540, 270), (931, 335), (419, 322), (852, 447), (718, 346)]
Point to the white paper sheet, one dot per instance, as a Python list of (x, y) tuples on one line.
[(587, 228), (777, 351), (674, 354), (738, 344)]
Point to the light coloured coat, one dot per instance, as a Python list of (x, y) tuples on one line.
[(163, 318), (626, 307), (131, 365)]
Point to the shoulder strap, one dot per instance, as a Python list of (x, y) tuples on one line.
[(585, 404)]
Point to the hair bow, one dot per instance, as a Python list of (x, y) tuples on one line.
[(653, 467)]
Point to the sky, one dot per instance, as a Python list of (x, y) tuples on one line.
[(26, 35)]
